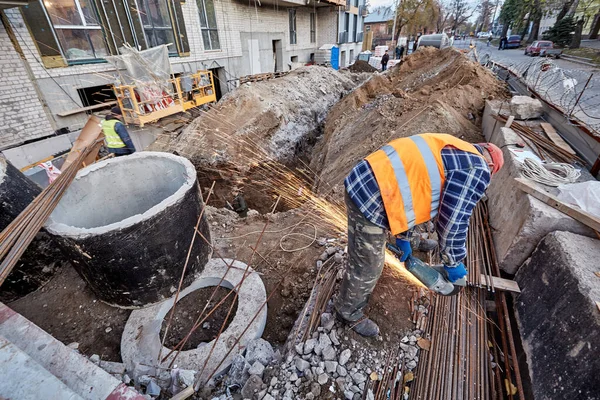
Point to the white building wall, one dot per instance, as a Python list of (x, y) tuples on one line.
[(237, 24), (22, 115)]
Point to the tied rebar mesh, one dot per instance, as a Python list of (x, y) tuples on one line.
[(576, 93)]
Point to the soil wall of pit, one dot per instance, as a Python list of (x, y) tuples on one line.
[(42, 257), (127, 224), (433, 91)]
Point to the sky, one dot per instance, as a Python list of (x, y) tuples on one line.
[(379, 3)]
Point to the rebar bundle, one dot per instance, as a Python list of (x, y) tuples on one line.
[(15, 238), (463, 361)]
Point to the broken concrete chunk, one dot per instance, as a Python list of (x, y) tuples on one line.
[(345, 356), (252, 386), (524, 107), (327, 321), (259, 350), (322, 379), (113, 367), (257, 369), (152, 389), (186, 377), (329, 353), (238, 372), (302, 365), (309, 346)]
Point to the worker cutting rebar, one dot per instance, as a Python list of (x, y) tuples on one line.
[(406, 183)]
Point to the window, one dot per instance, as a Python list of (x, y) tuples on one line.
[(156, 20), (208, 23), (355, 29), (292, 26), (313, 27), (77, 28), (368, 28)]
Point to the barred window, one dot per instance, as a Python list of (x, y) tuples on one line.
[(292, 26)]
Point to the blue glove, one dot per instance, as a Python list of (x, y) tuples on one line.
[(404, 246), (455, 273)]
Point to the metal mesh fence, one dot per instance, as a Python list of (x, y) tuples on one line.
[(576, 93)]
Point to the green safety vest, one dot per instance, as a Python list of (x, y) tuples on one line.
[(113, 140)]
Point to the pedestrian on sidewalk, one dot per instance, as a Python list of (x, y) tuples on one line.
[(384, 61), (406, 183), (401, 51), (489, 41), (116, 136), (503, 41), (398, 52)]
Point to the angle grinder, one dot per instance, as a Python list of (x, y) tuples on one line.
[(434, 277)]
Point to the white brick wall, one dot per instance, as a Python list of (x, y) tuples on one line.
[(22, 116), (233, 18)]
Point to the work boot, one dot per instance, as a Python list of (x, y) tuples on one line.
[(363, 326)]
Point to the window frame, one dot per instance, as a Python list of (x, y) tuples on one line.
[(172, 51), (293, 26), (313, 27), (85, 26), (207, 28)]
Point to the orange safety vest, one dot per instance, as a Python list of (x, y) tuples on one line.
[(410, 175)]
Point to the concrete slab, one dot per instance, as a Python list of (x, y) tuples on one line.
[(39, 352), (558, 317), (17, 370), (141, 341), (28, 154), (519, 221)]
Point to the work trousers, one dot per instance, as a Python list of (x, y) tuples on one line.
[(366, 254), (383, 66)]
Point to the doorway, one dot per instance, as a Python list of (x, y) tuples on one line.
[(218, 77), (343, 59), (277, 56)]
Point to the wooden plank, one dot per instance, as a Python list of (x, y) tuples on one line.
[(556, 138), (502, 284), (572, 211), (84, 109)]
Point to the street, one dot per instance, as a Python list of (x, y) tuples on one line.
[(516, 56)]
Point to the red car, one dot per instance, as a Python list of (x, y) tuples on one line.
[(538, 47)]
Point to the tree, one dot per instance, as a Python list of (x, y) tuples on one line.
[(595, 26), (485, 9), (416, 16), (562, 31), (510, 12), (576, 41), (535, 15), (460, 11)]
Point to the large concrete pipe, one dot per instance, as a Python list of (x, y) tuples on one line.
[(127, 224), (42, 258)]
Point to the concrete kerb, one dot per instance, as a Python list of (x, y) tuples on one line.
[(519, 221), (161, 180), (141, 343)]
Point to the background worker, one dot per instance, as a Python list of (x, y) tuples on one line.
[(404, 184), (116, 136), (384, 61)]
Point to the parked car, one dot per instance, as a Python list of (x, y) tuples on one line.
[(513, 42), (544, 48), (484, 35)]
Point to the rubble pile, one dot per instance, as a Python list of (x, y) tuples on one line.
[(274, 116), (435, 91)]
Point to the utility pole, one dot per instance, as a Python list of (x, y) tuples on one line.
[(395, 17)]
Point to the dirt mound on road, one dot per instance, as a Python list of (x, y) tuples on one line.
[(437, 91), (362, 66)]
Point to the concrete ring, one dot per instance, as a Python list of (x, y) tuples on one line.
[(141, 344)]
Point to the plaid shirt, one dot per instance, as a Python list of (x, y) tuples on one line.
[(467, 178)]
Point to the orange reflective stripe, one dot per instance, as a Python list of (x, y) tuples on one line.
[(390, 192)]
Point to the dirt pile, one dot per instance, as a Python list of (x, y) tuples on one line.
[(361, 66), (275, 115), (438, 91)]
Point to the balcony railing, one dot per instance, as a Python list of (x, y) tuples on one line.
[(343, 37)]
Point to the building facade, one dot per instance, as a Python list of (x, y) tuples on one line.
[(53, 50), (380, 21)]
